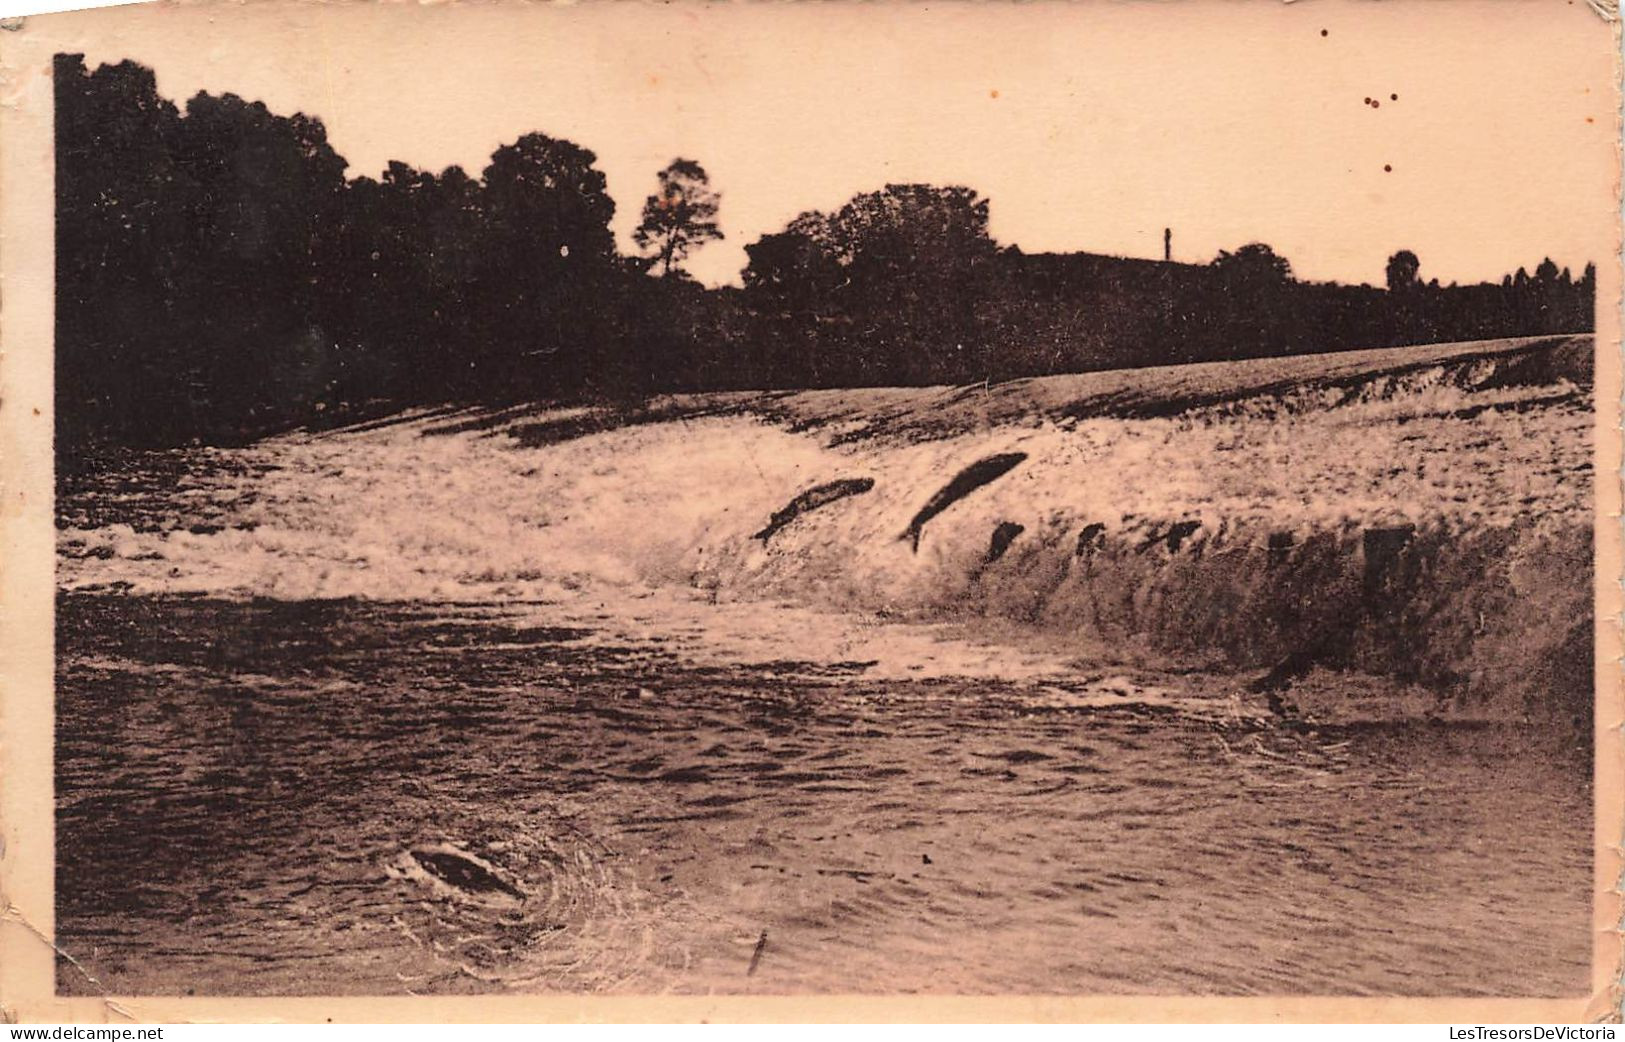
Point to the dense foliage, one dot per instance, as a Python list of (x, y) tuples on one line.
[(219, 277)]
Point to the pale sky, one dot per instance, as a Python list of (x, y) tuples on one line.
[(1090, 126)]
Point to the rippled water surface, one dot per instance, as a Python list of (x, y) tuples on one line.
[(253, 795), (241, 785)]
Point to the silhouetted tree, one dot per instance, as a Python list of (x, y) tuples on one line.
[(122, 240), (792, 285), (1402, 271), (915, 259), (547, 258), (268, 198), (889, 286), (679, 217), (1253, 264), (798, 263), (1253, 285), (405, 294), (188, 248)]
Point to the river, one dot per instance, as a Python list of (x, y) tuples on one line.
[(262, 795), (240, 785)]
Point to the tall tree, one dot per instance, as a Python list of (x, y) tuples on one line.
[(906, 271), (793, 285), (399, 294), (188, 253), (1248, 301), (1402, 271), (265, 216), (680, 217), (548, 263), (121, 243), (1254, 264)]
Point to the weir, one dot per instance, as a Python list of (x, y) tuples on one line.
[(1385, 529)]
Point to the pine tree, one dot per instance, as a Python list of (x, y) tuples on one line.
[(679, 218)]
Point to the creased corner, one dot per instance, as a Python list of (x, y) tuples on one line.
[(14, 914)]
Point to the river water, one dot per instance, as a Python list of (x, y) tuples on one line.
[(685, 797), (240, 785)]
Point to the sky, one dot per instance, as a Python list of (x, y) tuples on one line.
[(1089, 126)]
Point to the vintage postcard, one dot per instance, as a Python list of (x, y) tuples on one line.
[(625, 511)]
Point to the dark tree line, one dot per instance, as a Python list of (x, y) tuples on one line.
[(219, 277), (186, 296), (850, 299)]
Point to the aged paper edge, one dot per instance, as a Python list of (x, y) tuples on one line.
[(27, 548)]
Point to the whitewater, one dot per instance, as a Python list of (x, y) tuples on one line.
[(1187, 676)]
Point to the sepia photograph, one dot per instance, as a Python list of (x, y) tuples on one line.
[(612, 501)]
